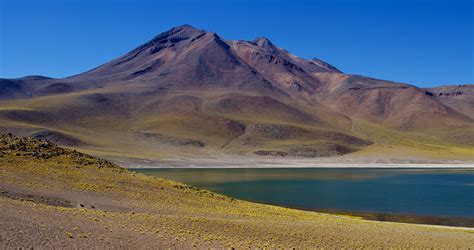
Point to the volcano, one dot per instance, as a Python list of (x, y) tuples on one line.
[(190, 92)]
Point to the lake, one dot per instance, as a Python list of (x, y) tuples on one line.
[(425, 192)]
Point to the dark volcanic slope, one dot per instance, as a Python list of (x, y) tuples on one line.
[(190, 91)]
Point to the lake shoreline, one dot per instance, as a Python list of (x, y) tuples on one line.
[(233, 161), (418, 219), (404, 195), (446, 166), (442, 221)]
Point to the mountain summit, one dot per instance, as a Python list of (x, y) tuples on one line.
[(189, 91)]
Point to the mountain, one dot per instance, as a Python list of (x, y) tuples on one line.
[(458, 97), (189, 92)]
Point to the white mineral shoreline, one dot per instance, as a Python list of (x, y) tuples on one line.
[(272, 162)]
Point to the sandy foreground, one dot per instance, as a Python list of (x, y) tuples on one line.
[(54, 198)]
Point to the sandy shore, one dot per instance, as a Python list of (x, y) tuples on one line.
[(233, 161)]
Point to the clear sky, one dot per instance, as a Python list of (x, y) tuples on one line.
[(421, 42)]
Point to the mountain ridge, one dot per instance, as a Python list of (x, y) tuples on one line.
[(189, 91)]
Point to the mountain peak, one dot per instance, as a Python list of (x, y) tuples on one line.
[(180, 32), (186, 28)]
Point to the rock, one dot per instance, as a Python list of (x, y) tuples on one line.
[(43, 149), (271, 153)]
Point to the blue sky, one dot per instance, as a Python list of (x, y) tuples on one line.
[(421, 42)]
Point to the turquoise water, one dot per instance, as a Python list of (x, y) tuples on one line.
[(433, 192)]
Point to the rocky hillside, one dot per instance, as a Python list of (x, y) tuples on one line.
[(15, 146)]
